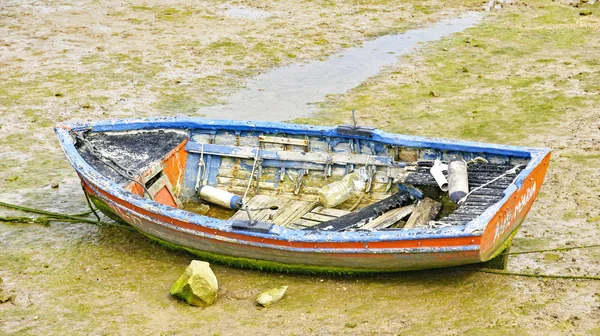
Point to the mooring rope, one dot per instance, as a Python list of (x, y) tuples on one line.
[(552, 250), (532, 275), (89, 203), (251, 175), (52, 216)]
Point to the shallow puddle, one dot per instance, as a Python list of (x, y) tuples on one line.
[(290, 92), (236, 12)]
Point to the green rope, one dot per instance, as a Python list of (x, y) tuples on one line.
[(83, 214), (53, 217), (45, 221), (553, 250), (531, 275)]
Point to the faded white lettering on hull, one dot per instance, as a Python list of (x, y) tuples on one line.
[(512, 214)]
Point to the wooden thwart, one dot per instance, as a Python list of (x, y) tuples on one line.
[(283, 140)]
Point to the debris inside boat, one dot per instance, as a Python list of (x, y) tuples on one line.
[(299, 196)]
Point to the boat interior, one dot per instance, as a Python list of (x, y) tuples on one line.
[(297, 181)]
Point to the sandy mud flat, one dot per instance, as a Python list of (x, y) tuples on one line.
[(527, 74)]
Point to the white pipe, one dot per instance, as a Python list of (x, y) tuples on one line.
[(458, 180), (437, 171)]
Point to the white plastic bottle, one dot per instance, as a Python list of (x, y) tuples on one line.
[(338, 192)]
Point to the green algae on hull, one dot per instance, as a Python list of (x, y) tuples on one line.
[(106, 210), (263, 265)]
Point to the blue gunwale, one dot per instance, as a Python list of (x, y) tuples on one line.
[(472, 229)]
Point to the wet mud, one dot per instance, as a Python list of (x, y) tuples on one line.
[(295, 90)]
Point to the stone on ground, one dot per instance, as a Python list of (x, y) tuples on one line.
[(197, 285), (271, 296)]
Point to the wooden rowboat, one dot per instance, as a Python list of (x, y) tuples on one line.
[(166, 177)]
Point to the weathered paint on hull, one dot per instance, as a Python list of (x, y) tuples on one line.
[(317, 260), (481, 239), (499, 231)]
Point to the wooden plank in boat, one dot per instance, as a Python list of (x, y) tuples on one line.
[(266, 214), (389, 218), (296, 210), (302, 224), (318, 217), (287, 210), (228, 181), (330, 211), (322, 158), (279, 193), (426, 210), (256, 202), (283, 140)]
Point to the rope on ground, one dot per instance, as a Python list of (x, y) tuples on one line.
[(553, 250), (53, 216), (45, 221), (531, 275)]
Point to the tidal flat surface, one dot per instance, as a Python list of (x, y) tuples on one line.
[(294, 91), (527, 76)]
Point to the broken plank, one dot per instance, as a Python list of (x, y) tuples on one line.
[(389, 218), (426, 210)]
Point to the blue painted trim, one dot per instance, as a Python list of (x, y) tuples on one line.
[(213, 169), (189, 177), (310, 130)]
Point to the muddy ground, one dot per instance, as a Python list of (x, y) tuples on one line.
[(528, 74)]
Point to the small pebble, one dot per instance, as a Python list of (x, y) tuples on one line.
[(54, 185)]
